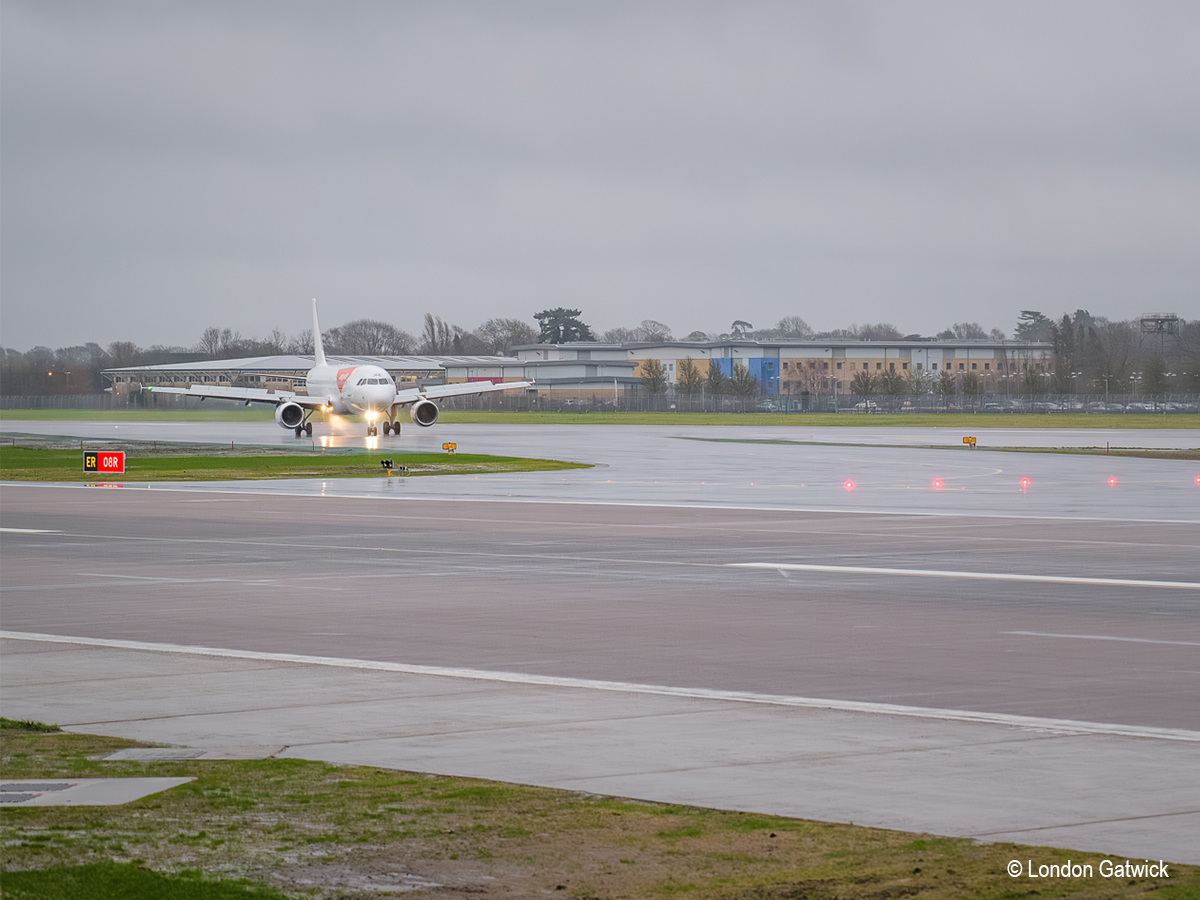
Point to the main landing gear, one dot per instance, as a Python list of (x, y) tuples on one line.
[(304, 430), (388, 428)]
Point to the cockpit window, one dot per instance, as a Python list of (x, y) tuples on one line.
[(362, 381)]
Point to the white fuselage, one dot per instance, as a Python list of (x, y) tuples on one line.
[(352, 390)]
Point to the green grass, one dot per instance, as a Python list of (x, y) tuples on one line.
[(809, 420), (243, 414), (313, 829), (27, 725), (801, 420), (40, 464), (128, 881), (1136, 452)]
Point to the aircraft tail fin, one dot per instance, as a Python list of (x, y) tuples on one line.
[(318, 347)]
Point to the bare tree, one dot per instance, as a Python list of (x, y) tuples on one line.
[(651, 331), (368, 337), (437, 339), (499, 336), (970, 331), (793, 328), (619, 336), (883, 331)]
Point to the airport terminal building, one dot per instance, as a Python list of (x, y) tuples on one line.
[(596, 371), (791, 367)]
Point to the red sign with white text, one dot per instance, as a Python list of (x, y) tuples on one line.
[(104, 461)]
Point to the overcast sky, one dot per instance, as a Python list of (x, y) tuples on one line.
[(169, 166)]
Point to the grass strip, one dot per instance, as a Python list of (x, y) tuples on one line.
[(128, 881), (1136, 452), (238, 414), (40, 464), (802, 420), (27, 725), (850, 420), (313, 829)]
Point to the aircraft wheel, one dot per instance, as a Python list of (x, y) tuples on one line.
[(396, 427), (308, 428), (387, 428), (298, 430)]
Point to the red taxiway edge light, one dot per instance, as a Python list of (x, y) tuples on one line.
[(937, 484), (849, 485), (1112, 482)]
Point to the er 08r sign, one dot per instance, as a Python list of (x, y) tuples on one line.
[(104, 461)]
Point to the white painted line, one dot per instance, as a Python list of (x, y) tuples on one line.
[(27, 531), (1103, 637), (981, 576), (218, 487), (1061, 726)]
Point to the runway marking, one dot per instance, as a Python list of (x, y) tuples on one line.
[(1061, 726), (28, 531), (982, 576), (1103, 637), (333, 494), (164, 580)]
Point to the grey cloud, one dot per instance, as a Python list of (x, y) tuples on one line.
[(919, 163)]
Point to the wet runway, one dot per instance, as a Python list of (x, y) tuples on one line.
[(1104, 625), (730, 467), (719, 571)]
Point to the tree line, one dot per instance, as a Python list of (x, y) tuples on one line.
[(1088, 350)]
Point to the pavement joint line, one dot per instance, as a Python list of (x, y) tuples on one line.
[(1065, 726), (819, 757), (1186, 812), (434, 498), (1104, 637), (979, 576)]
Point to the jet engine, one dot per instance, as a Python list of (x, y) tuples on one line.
[(290, 415), (424, 413)]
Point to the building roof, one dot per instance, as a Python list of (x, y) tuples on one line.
[(289, 363)]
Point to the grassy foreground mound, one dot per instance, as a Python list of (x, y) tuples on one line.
[(41, 464), (310, 829)]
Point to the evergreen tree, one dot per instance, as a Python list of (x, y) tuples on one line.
[(561, 326), (688, 379), (654, 377), (717, 382)]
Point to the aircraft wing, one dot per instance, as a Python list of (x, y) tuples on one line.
[(436, 391), (250, 395)]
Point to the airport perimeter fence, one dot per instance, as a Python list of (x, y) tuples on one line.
[(850, 404), (796, 404), (112, 402)]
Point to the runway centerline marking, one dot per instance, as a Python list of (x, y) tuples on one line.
[(980, 576), (1103, 637), (1060, 726)]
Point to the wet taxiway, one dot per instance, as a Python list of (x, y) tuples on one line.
[(598, 628)]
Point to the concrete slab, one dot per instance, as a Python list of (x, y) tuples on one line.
[(83, 791), (1124, 795), (158, 754)]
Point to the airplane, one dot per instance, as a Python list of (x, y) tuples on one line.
[(368, 391)]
